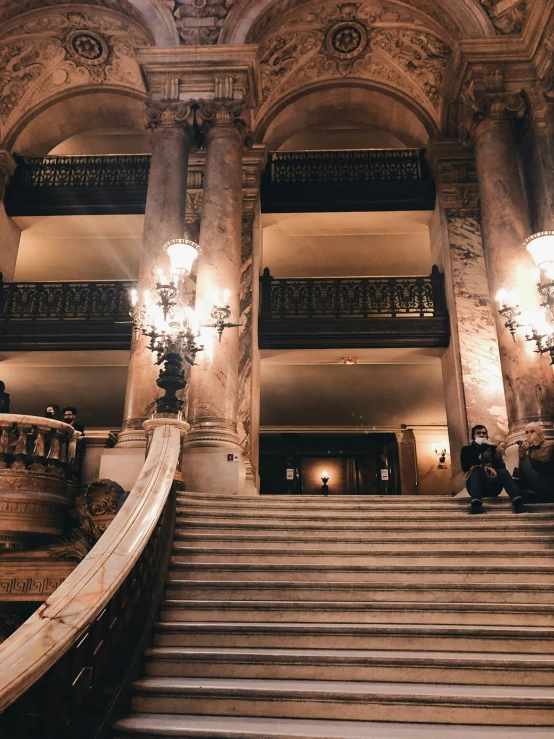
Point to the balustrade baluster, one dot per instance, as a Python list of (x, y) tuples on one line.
[(21, 448)]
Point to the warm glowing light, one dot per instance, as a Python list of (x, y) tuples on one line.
[(182, 254), (226, 296), (324, 474), (134, 297), (541, 247)]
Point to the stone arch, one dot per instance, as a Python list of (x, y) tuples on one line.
[(72, 112), (418, 126), (467, 18), (61, 51)]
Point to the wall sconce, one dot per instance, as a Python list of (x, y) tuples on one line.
[(537, 326), (441, 450), (219, 316), (325, 480)]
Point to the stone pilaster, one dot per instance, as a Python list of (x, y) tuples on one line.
[(473, 385), (9, 232), (505, 221), (537, 146)]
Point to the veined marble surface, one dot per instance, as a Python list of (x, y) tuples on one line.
[(479, 355), (245, 338), (42, 423), (59, 621)]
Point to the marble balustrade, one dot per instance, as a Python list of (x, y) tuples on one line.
[(59, 622)]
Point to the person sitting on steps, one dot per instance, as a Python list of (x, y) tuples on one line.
[(486, 474)]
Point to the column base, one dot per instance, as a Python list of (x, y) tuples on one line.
[(214, 470)]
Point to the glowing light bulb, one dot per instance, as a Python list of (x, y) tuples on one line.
[(134, 297), (226, 296)]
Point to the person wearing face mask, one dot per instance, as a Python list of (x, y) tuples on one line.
[(53, 411), (486, 474), (536, 463)]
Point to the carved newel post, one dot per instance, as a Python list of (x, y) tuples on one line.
[(528, 378), (172, 141), (212, 459)]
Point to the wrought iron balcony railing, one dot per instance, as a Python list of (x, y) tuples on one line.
[(87, 171), (82, 301), (358, 297), (324, 167), (354, 312), (65, 315)]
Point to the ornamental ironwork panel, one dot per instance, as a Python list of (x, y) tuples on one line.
[(324, 167), (83, 171), (88, 301), (348, 297)]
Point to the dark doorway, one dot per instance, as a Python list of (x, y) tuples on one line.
[(356, 464)]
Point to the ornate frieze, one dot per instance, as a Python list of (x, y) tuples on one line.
[(51, 51)]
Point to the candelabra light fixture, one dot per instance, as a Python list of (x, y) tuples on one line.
[(537, 326), (220, 315), (171, 324), (325, 480), (441, 450)]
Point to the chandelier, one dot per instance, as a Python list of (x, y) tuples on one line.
[(171, 325), (538, 325)]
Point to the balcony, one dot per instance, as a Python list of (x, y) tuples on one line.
[(64, 315), (293, 182), (295, 313), (363, 312), (332, 181)]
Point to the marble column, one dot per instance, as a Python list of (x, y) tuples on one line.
[(9, 232), (472, 375), (164, 219), (537, 147), (212, 460), (528, 377)]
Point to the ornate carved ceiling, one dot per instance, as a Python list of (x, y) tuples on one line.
[(371, 41)]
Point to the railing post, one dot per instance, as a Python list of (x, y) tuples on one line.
[(439, 295), (265, 292)]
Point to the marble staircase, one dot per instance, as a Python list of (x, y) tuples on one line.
[(352, 618)]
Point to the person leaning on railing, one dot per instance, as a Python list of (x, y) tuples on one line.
[(486, 474), (535, 472), (4, 399)]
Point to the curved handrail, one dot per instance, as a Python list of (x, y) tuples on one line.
[(61, 619)]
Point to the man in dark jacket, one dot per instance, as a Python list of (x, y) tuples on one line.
[(486, 473)]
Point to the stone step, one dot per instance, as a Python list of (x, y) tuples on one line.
[(521, 542), (347, 700), (354, 591), (247, 727), (332, 502), (352, 612), (410, 637), (376, 666), (497, 514), (511, 572), (322, 557)]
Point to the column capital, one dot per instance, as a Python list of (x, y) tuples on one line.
[(491, 108), (224, 114), (167, 116)]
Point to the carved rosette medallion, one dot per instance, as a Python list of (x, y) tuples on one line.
[(346, 39), (88, 48)]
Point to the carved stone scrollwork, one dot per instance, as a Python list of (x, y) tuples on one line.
[(94, 510), (507, 17), (228, 114)]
